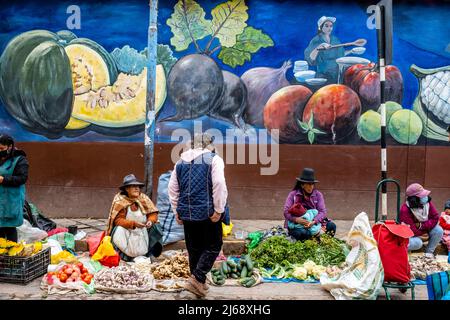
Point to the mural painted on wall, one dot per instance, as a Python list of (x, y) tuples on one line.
[(305, 68)]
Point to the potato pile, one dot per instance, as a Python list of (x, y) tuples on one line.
[(174, 268)]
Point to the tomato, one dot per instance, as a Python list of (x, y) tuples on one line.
[(84, 270), (51, 273), (63, 277), (69, 271), (87, 280), (65, 267), (80, 265)]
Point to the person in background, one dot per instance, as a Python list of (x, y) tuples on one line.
[(13, 176), (421, 215), (131, 210), (444, 222), (198, 194), (325, 59), (309, 197)]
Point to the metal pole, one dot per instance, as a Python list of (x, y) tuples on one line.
[(152, 43), (382, 66)]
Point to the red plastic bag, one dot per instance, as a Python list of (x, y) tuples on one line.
[(393, 240), (111, 261), (94, 241)]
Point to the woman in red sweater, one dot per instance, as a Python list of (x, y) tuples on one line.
[(444, 222), (421, 215)]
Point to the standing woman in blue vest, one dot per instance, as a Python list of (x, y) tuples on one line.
[(13, 175), (198, 195)]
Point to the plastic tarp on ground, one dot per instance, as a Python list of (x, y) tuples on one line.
[(172, 231)]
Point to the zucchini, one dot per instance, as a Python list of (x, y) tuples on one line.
[(244, 272), (249, 262)]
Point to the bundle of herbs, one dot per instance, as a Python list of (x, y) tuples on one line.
[(278, 250)]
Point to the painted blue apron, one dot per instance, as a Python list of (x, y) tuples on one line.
[(12, 199)]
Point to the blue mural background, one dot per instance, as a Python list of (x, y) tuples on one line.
[(421, 37)]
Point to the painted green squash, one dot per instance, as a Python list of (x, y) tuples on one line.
[(37, 84)]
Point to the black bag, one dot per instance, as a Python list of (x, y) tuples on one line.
[(36, 218)]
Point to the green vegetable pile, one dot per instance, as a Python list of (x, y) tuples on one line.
[(279, 250), (241, 269)]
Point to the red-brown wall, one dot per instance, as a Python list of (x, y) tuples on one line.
[(80, 179)]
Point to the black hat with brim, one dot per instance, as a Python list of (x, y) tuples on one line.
[(130, 180), (307, 176)]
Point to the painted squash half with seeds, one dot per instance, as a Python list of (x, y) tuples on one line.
[(56, 84), (41, 72)]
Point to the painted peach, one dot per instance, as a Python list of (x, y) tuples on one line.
[(336, 110), (283, 109)]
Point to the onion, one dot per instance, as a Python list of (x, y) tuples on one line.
[(261, 83)]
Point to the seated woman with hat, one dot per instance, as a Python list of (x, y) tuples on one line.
[(133, 222), (306, 195), (423, 218)]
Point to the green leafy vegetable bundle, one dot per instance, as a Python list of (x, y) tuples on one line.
[(279, 250)]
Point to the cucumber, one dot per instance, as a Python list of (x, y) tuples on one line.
[(214, 278), (244, 280), (244, 272), (239, 268), (250, 282), (225, 269), (243, 262), (220, 282), (249, 262), (234, 276), (231, 263), (215, 272)]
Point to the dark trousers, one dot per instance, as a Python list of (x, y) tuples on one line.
[(203, 243), (305, 234), (9, 233)]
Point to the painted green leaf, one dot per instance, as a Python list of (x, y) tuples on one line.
[(229, 20), (303, 125), (233, 57), (311, 137), (251, 40), (317, 131), (187, 24)]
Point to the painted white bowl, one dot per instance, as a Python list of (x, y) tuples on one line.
[(302, 76), (300, 63), (316, 81), (359, 50)]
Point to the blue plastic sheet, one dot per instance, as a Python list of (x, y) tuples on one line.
[(286, 280)]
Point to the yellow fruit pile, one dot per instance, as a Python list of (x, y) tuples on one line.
[(13, 249)]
